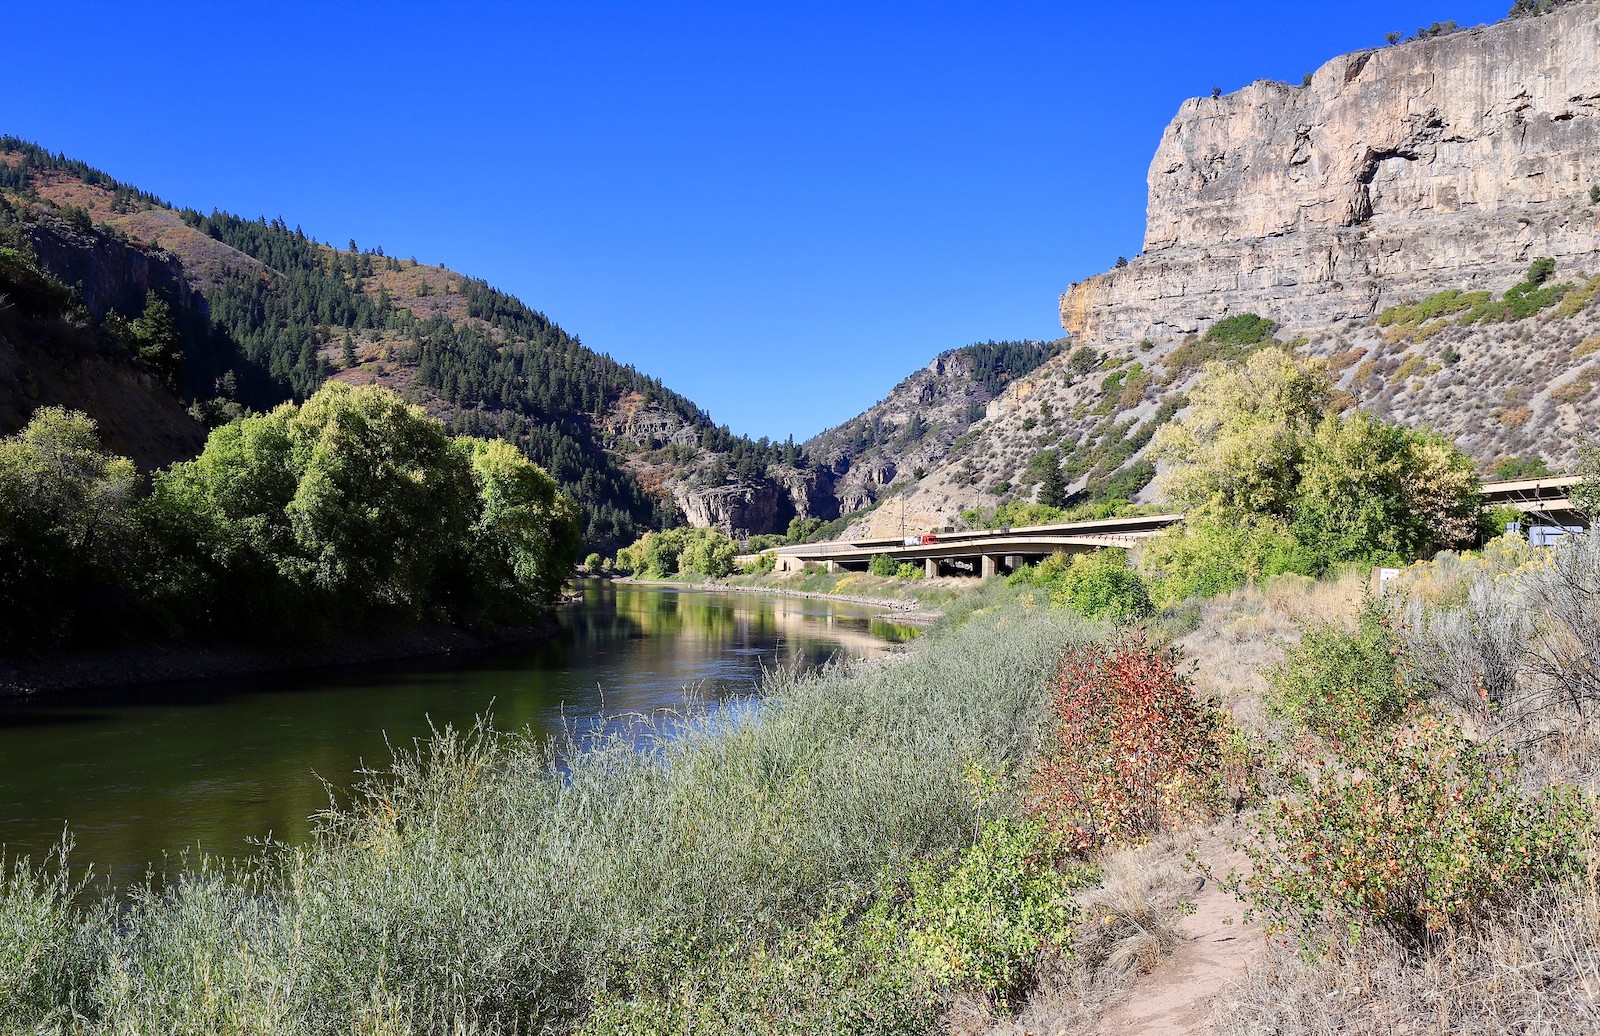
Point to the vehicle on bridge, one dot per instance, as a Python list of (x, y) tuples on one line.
[(917, 541)]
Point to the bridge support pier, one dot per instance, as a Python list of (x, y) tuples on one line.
[(930, 566), (991, 566)]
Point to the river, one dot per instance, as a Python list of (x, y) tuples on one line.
[(141, 775)]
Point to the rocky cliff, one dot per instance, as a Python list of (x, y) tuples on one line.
[(1442, 163), (49, 357)]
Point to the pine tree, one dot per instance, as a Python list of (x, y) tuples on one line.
[(1053, 487)]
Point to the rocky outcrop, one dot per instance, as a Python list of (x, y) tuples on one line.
[(109, 272), (810, 492), (761, 505), (1442, 163), (753, 507), (911, 431)]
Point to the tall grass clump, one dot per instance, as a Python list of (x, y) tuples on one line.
[(48, 957), (494, 883)]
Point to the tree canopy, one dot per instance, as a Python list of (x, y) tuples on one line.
[(1273, 479), (351, 510)]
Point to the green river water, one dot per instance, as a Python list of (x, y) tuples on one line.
[(138, 775)]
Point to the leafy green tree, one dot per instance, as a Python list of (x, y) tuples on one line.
[(353, 507), (658, 555), (1260, 464), (1237, 451), (66, 522), (526, 535), (155, 341)]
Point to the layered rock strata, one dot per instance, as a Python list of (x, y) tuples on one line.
[(1448, 162)]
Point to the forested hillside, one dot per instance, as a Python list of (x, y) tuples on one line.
[(266, 314)]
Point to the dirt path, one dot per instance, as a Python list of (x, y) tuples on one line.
[(1175, 998)]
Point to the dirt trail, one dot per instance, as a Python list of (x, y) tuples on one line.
[(1175, 999)]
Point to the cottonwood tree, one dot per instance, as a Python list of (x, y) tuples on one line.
[(1260, 459)]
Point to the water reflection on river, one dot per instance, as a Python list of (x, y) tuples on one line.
[(144, 771)]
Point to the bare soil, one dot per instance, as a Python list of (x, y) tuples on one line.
[(1175, 998)]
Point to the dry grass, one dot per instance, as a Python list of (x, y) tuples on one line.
[(1535, 971), (1241, 635)]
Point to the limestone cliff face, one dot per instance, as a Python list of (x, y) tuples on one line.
[(1441, 163)]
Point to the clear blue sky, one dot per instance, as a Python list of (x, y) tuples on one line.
[(778, 209)]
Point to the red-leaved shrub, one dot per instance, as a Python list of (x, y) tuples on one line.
[(1137, 749)]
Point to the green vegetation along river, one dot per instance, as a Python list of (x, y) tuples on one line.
[(138, 772)]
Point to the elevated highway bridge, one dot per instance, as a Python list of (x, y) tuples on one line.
[(987, 552), (980, 552)]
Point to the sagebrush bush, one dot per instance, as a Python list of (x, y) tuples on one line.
[(1410, 832), (1512, 638)]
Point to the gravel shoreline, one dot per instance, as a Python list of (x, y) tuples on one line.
[(102, 667), (911, 612)]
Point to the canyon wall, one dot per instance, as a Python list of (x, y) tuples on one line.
[(1448, 162)]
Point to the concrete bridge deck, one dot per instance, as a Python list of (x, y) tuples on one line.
[(981, 552)]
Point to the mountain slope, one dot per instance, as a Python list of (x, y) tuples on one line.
[(913, 428), (286, 312)]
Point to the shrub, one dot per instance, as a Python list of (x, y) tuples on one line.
[(1097, 585), (1339, 683), (1240, 329), (1137, 749), (47, 948), (883, 565), (976, 922), (1413, 832), (1204, 559)]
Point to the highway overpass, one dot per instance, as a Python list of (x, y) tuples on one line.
[(980, 552), (986, 552)]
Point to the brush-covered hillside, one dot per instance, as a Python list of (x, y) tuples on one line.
[(912, 429), (260, 313)]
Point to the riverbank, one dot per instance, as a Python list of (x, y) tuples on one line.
[(923, 610), (83, 669), (477, 887)]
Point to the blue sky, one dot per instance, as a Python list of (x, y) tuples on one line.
[(778, 209)]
